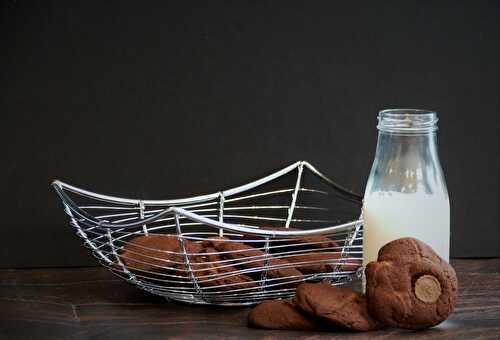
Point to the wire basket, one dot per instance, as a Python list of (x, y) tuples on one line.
[(240, 246)]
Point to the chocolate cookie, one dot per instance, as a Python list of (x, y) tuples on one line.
[(155, 252), (281, 314), (313, 262), (341, 307), (314, 241), (410, 286), (162, 254), (252, 258), (210, 273)]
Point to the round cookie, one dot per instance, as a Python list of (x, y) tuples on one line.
[(162, 254), (281, 314), (156, 252), (311, 241), (210, 273), (319, 262), (252, 258), (410, 286), (340, 307)]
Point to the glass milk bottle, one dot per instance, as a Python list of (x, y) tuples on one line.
[(406, 193)]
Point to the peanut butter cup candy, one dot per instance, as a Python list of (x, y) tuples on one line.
[(410, 286)]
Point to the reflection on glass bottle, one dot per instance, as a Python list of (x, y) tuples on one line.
[(406, 193)]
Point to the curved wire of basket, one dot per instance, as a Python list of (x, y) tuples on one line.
[(107, 224)]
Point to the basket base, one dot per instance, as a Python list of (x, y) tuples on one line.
[(203, 302), (354, 283)]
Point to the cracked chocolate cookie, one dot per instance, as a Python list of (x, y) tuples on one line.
[(155, 252), (319, 262), (252, 258), (281, 314), (312, 241), (340, 307), (210, 273)]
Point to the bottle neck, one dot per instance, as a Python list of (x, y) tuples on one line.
[(406, 148), (408, 162)]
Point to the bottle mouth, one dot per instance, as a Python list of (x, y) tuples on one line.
[(407, 121)]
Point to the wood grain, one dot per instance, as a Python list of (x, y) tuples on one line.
[(83, 303)]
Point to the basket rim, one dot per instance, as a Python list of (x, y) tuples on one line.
[(60, 187), (207, 197)]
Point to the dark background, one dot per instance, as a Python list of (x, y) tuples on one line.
[(169, 99)]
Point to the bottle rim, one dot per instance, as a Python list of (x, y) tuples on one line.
[(407, 121)]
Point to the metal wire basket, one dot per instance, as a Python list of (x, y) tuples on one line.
[(240, 246)]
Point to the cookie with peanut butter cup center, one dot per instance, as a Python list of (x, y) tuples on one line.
[(410, 286)]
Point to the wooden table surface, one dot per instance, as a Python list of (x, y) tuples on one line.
[(91, 303)]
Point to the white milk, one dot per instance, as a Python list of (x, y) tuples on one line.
[(392, 215)]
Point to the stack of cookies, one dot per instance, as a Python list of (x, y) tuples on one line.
[(226, 264), (409, 286)]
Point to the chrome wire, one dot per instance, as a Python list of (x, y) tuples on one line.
[(107, 224)]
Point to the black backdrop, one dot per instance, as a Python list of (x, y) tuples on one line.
[(168, 99)]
